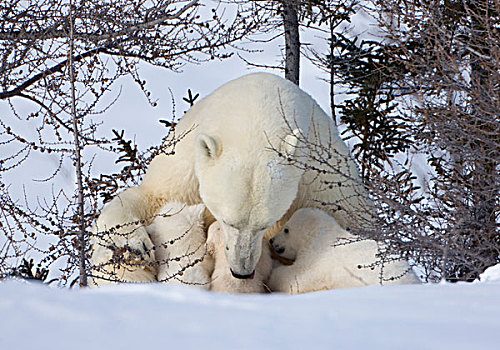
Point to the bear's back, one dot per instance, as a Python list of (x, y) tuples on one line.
[(251, 111)]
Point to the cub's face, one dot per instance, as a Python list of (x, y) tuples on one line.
[(297, 232), (283, 243), (247, 194)]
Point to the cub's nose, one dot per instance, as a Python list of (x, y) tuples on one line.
[(280, 250)]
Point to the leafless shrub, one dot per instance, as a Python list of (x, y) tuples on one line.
[(452, 59), (64, 59), (427, 97)]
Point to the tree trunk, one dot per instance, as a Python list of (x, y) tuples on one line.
[(332, 73), (77, 157), (292, 40)]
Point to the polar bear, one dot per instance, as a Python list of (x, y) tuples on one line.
[(328, 257), (254, 151), (223, 280), (179, 238)]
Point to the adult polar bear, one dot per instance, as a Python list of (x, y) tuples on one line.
[(235, 157)]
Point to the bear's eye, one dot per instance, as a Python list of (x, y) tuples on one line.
[(232, 226), (286, 230)]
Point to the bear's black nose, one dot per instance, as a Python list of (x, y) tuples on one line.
[(280, 250), (243, 277)]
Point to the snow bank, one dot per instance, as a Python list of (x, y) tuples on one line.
[(491, 274), (459, 316)]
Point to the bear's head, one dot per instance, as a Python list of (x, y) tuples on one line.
[(286, 242), (300, 230), (247, 192), (215, 238)]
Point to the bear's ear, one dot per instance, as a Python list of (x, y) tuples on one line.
[(290, 142), (199, 211), (207, 146)]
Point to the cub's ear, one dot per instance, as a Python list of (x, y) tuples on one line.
[(207, 147), (290, 142)]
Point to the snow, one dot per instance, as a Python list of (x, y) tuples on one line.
[(275, 169), (440, 316), (492, 274), (140, 316)]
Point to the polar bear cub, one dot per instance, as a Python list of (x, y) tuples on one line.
[(328, 257), (222, 279), (180, 251)]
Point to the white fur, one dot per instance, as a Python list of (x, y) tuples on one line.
[(309, 238), (222, 279), (130, 206), (228, 159), (181, 235)]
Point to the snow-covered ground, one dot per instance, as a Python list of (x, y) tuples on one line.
[(153, 316)]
